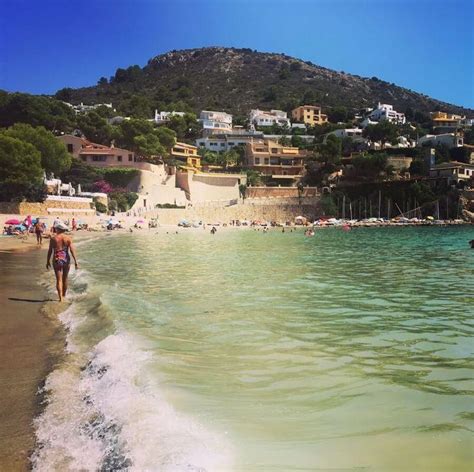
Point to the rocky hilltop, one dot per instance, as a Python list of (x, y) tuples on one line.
[(236, 80)]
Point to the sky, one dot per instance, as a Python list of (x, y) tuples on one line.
[(424, 45)]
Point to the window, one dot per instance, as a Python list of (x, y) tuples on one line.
[(231, 144), (259, 150), (257, 160), (119, 158), (266, 161), (222, 144), (130, 158), (70, 148), (274, 150), (99, 158)]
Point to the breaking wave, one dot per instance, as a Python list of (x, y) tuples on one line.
[(104, 409)]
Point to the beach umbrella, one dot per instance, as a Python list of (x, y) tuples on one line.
[(430, 218), (12, 221), (141, 222)]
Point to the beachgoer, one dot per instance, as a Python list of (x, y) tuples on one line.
[(39, 228), (471, 242), (60, 246), (213, 230), (55, 223), (74, 224)]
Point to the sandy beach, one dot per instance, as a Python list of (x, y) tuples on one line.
[(29, 347), (31, 343)]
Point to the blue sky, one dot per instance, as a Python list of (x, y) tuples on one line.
[(424, 45)]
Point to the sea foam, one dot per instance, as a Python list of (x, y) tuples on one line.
[(105, 409)]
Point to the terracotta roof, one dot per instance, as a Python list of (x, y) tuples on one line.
[(103, 150)]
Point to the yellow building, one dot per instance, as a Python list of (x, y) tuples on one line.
[(186, 153), (309, 114), (441, 118), (276, 163)]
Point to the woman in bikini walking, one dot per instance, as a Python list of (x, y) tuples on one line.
[(60, 246)]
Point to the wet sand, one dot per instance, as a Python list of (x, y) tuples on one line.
[(31, 342)]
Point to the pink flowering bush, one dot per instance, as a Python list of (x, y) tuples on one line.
[(103, 187)]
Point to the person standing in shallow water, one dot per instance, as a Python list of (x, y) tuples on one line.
[(61, 248), (39, 232)]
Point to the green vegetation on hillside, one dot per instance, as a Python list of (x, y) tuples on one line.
[(237, 80), (26, 154), (54, 115), (20, 171)]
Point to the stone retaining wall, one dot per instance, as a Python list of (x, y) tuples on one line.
[(279, 192), (276, 201), (245, 211), (44, 208)]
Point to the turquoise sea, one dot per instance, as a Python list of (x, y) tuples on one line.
[(246, 351)]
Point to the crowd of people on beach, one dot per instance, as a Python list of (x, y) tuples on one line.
[(38, 227)]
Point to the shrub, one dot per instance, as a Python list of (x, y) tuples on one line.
[(119, 177), (100, 207), (21, 175), (328, 205), (102, 186), (121, 200)]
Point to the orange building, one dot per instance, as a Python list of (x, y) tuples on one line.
[(309, 114), (443, 119), (278, 164), (98, 155), (186, 153)]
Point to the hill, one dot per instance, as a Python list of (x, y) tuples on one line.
[(236, 80)]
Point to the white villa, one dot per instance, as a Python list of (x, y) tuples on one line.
[(366, 122), (449, 139), (226, 141), (453, 171), (81, 108), (386, 112), (164, 116), (268, 118), (216, 120), (346, 133)]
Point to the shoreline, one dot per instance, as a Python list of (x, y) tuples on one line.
[(31, 345), (32, 341)]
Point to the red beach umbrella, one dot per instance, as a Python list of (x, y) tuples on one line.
[(12, 221)]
